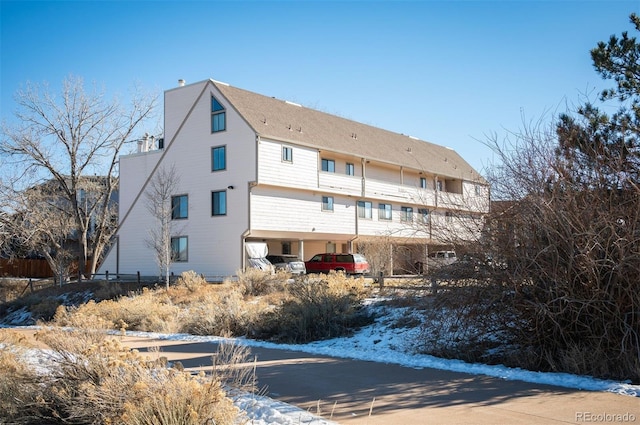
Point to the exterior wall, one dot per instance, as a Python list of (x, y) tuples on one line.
[(284, 210), (269, 199), (301, 172), (214, 242)]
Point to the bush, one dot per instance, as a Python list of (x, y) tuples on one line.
[(316, 310), (95, 380), (470, 321), (255, 282), (220, 314)]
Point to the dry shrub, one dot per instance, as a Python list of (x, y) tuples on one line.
[(151, 311), (316, 310), (231, 365), (255, 282), (468, 321), (88, 319), (191, 281), (220, 314), (18, 383), (93, 379)]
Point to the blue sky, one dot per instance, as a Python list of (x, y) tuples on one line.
[(450, 72)]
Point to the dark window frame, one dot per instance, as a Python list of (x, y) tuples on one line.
[(406, 214), (218, 116), (328, 165), (287, 154), (365, 209), (218, 210), (177, 202), (327, 203), (350, 169), (214, 158), (385, 212), (175, 254)]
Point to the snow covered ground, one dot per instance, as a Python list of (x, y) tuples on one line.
[(381, 342)]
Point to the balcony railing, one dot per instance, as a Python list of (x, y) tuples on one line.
[(395, 192)]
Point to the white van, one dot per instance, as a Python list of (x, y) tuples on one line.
[(441, 258)]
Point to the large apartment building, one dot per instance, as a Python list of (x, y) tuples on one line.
[(253, 168)]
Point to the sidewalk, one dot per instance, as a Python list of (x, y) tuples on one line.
[(360, 392)]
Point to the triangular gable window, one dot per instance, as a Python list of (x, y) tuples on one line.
[(215, 105), (218, 116)]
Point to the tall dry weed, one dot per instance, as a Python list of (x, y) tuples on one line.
[(93, 379)]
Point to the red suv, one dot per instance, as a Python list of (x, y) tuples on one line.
[(347, 263)]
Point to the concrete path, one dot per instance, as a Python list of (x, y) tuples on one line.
[(369, 393)]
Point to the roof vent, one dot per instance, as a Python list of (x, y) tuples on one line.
[(354, 136), (181, 82)]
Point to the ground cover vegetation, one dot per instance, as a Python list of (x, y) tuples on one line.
[(94, 379)]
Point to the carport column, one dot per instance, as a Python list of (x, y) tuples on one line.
[(301, 249)]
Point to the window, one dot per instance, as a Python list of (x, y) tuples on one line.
[(439, 185), (286, 247), (219, 203), (179, 249), (287, 154), (423, 215), (364, 209), (329, 165), (423, 182), (478, 190), (327, 203), (350, 171), (406, 214), (384, 211), (218, 158), (218, 119), (179, 207), (448, 216)]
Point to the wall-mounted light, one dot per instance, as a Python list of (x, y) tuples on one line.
[(230, 187)]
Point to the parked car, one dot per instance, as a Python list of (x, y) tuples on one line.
[(289, 263), (438, 259), (347, 263)]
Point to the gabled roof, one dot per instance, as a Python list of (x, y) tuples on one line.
[(289, 122)]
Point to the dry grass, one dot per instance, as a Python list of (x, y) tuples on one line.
[(93, 379), (257, 305)]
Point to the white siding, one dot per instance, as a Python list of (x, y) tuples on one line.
[(302, 172), (274, 209), (214, 243)]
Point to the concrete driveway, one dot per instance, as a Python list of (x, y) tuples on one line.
[(361, 392)]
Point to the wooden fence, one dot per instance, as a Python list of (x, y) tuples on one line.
[(35, 268)]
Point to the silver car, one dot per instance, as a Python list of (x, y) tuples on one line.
[(289, 263)]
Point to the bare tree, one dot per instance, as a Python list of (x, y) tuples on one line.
[(159, 202), (71, 143)]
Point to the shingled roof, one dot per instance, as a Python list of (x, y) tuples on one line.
[(289, 122)]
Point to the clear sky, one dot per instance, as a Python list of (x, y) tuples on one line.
[(449, 72)]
